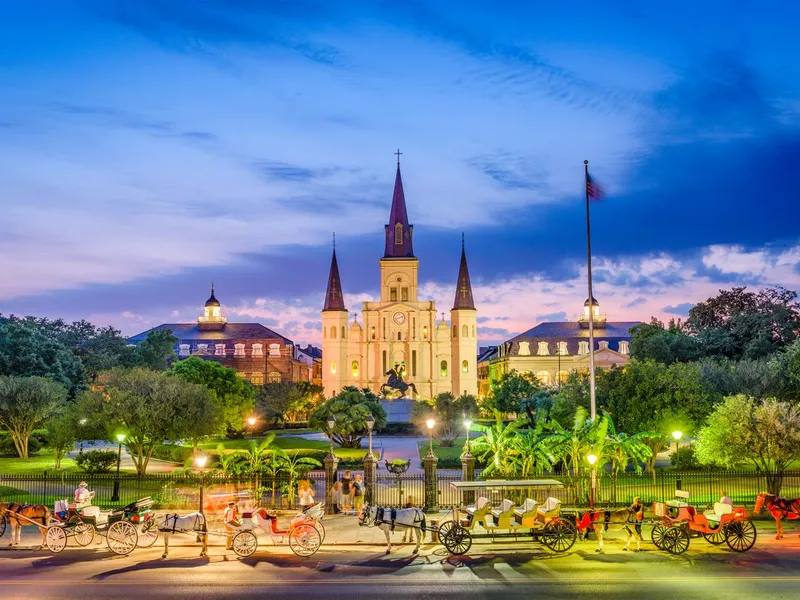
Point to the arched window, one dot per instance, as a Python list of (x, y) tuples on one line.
[(398, 234), (238, 350), (258, 350), (583, 347), (623, 348), (257, 378), (354, 368), (219, 349), (544, 377), (473, 331), (464, 331), (344, 336), (443, 368), (333, 332), (424, 332), (333, 369), (562, 376), (543, 350), (274, 377), (372, 332), (399, 336), (464, 366)]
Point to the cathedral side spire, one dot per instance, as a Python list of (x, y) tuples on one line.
[(398, 231), (334, 300), (463, 299)]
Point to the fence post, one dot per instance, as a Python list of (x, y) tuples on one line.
[(431, 484), (468, 474), (330, 462), (370, 477)]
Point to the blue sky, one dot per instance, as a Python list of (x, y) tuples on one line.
[(150, 147)]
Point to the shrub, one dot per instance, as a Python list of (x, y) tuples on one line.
[(171, 452), (399, 429), (96, 461), (684, 458), (7, 448)]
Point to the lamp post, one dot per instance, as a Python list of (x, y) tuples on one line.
[(331, 423), (677, 435), (251, 422), (81, 422), (431, 482), (370, 425), (330, 462), (468, 427), (592, 460), (200, 462), (430, 423), (115, 494)]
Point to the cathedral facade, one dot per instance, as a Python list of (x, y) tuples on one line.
[(400, 331)]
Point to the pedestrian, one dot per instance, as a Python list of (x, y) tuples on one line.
[(232, 523), (724, 499), (637, 508), (347, 491), (358, 493), (336, 497), (305, 493), (82, 495)]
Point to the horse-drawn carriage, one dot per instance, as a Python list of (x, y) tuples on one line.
[(679, 521), (304, 534), (120, 527)]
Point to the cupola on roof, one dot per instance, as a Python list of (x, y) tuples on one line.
[(212, 301)]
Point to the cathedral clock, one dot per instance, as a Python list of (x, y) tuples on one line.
[(399, 318)]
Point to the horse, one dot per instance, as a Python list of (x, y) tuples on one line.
[(610, 520), (191, 523), (780, 508), (391, 519), (399, 386), (22, 515)]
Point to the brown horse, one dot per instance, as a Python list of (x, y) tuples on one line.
[(617, 519), (780, 508), (22, 515)]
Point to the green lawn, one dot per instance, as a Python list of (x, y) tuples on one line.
[(443, 452), (43, 461), (287, 443)]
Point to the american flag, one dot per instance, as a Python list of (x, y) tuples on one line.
[(593, 189)]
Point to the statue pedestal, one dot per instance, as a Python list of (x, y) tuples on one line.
[(397, 411)]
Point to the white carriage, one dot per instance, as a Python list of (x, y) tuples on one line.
[(304, 534)]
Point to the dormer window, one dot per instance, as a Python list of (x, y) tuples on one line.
[(275, 349), (238, 351), (543, 350), (603, 345), (183, 350), (524, 349), (219, 349), (258, 350), (562, 348), (583, 347), (202, 348), (398, 234), (623, 348)]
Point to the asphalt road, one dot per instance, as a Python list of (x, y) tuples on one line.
[(770, 570)]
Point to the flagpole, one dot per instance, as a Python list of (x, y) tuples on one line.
[(592, 405)]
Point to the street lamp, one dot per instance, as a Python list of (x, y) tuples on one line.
[(200, 462), (331, 422), (370, 425), (82, 422), (468, 427), (677, 435), (430, 423), (251, 422), (592, 460), (115, 494)]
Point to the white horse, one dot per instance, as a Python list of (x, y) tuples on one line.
[(602, 521), (390, 519), (191, 523)]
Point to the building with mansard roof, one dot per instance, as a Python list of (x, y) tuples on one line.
[(400, 328), (257, 353), (551, 350)]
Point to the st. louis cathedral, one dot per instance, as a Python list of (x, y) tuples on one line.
[(399, 337)]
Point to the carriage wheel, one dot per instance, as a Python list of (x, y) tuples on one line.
[(304, 540), (122, 537), (457, 540), (676, 540), (148, 533), (559, 535), (84, 534), (718, 537), (741, 535), (444, 529), (3, 525), (657, 535), (245, 543), (321, 528), (55, 539)]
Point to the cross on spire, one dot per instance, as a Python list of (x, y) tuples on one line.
[(398, 154)]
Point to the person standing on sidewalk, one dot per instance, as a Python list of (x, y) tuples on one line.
[(358, 493), (347, 492), (232, 523)]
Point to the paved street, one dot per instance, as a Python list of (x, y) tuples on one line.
[(361, 570)]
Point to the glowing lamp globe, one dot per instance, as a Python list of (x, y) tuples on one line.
[(120, 437), (677, 434), (430, 423), (370, 422), (591, 459), (200, 461), (467, 424), (251, 421)]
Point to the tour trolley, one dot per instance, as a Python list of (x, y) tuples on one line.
[(679, 522), (507, 511), (120, 527)]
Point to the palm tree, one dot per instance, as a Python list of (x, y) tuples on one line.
[(226, 459), (620, 448), (295, 466), (253, 458), (494, 446), (528, 452)]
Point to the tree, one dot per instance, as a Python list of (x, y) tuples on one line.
[(449, 413), (200, 414), (62, 433), (494, 446), (665, 345), (287, 400), (765, 434), (25, 403), (528, 451), (294, 466), (25, 351), (509, 391), (147, 406), (156, 351), (350, 408), (232, 395)]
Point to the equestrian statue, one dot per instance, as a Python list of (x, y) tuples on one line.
[(395, 383)]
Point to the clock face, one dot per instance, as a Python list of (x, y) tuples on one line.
[(399, 318)]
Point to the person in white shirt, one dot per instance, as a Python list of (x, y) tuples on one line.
[(82, 494), (724, 499), (305, 494), (232, 523)]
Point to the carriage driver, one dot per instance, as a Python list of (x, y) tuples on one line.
[(637, 508), (232, 522), (82, 494)]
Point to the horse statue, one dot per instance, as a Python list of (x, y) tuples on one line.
[(23, 515), (617, 519), (396, 383), (191, 523), (779, 508), (391, 519)]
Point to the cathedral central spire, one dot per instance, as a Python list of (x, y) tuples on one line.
[(463, 286), (398, 231)]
